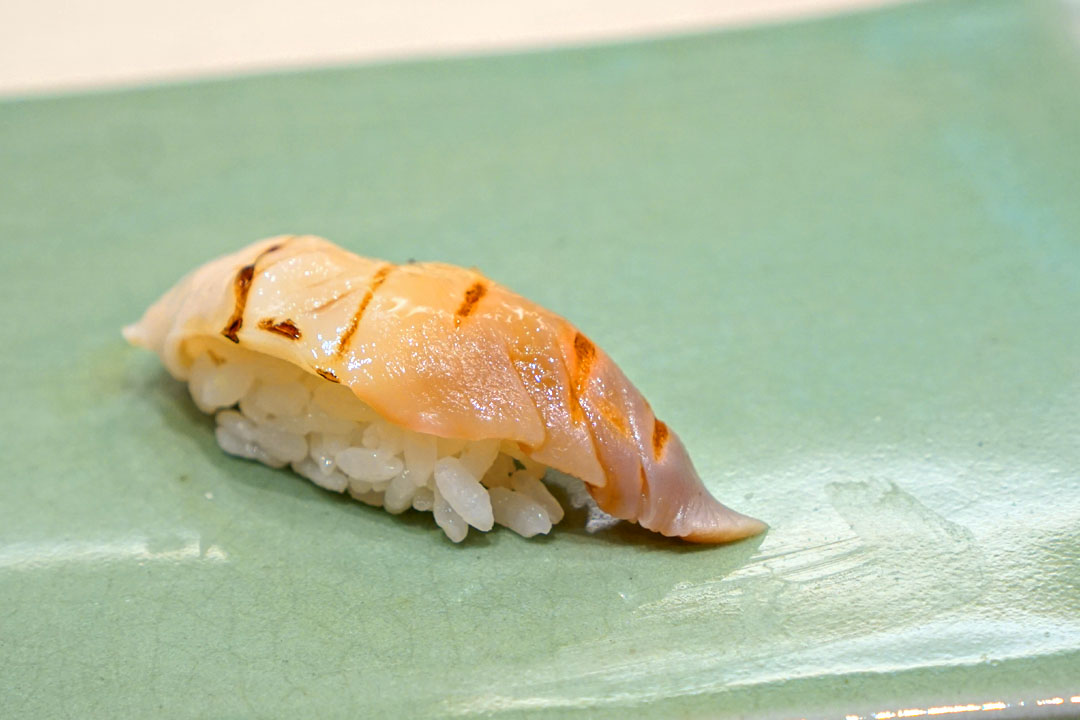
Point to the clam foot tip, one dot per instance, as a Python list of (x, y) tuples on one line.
[(735, 528)]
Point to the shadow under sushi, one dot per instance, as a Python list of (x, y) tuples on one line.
[(184, 419)]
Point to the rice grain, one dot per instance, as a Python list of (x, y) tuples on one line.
[(271, 412)]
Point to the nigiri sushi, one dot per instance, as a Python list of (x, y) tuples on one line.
[(423, 386)]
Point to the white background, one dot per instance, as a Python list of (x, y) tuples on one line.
[(56, 45)]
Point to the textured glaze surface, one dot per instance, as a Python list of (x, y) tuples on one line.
[(841, 258)]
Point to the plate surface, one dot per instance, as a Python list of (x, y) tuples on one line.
[(841, 258)]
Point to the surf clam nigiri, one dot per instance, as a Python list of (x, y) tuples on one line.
[(423, 386)]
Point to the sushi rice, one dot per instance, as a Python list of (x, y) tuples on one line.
[(271, 411)]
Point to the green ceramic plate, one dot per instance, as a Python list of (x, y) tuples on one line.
[(842, 258)]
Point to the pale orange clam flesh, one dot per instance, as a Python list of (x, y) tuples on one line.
[(443, 350)]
